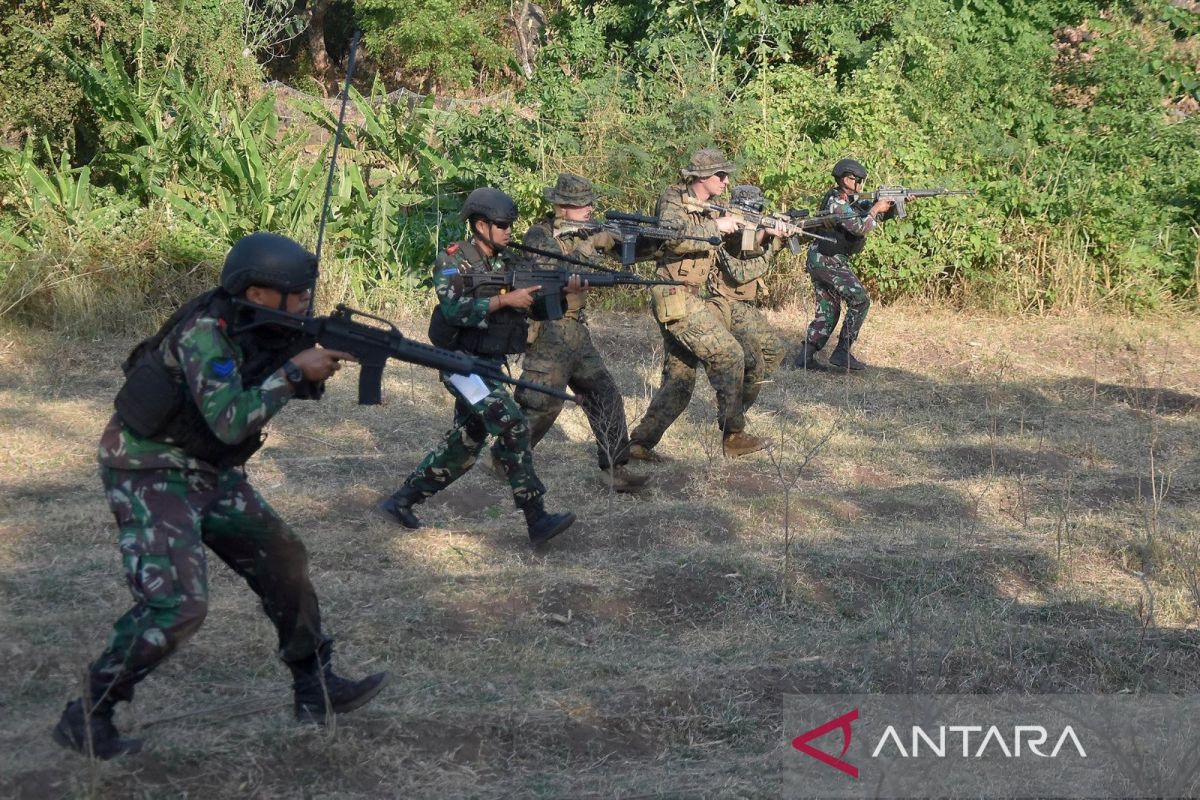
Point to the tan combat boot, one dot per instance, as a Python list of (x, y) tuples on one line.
[(741, 443), (643, 453), (620, 479)]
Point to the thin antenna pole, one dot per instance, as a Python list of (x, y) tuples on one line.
[(337, 140)]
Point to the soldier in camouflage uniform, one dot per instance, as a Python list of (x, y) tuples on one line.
[(734, 285), (491, 325), (560, 352), (829, 267), (191, 412), (692, 333)]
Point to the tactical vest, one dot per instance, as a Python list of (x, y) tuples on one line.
[(691, 268), (505, 334), (844, 243), (156, 403)]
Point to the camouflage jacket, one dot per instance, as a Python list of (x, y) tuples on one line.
[(737, 274), (209, 362), (571, 239), (683, 259), (858, 224), (460, 308)]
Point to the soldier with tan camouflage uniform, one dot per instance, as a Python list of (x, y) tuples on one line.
[(560, 352), (734, 286), (196, 397), (692, 333)]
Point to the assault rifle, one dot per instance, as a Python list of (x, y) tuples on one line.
[(373, 345), (548, 305), (632, 230), (795, 224), (899, 196)]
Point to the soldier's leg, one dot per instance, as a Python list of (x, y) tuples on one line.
[(247, 534), (454, 454), (764, 350), (602, 403), (502, 418), (851, 290), (724, 362), (673, 395), (828, 300), (548, 361), (158, 513)]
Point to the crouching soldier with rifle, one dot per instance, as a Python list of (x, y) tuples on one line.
[(734, 286), (196, 397), (560, 352), (492, 324)]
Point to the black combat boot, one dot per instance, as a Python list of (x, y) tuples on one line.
[(543, 526), (93, 732), (400, 506), (319, 691), (843, 359), (807, 358)]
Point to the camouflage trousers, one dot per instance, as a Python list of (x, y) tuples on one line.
[(497, 415), (761, 349), (166, 517), (699, 338), (563, 355), (833, 282)]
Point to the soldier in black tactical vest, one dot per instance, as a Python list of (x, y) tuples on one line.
[(487, 324), (191, 412)]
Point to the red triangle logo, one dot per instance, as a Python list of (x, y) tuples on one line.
[(801, 743)]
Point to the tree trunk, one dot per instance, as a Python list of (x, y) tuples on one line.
[(316, 42)]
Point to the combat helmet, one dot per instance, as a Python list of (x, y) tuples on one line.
[(270, 260), (848, 166), (747, 196), (491, 204)]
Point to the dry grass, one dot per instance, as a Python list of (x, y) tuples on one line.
[(979, 520)]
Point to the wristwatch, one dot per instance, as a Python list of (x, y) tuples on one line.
[(294, 374)]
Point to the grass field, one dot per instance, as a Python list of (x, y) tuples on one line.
[(998, 505)]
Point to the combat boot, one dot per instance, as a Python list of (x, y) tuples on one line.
[(620, 479), (807, 359), (643, 453), (842, 358), (319, 691), (741, 443), (400, 506), (544, 526), (93, 732)]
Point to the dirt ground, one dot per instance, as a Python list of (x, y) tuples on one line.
[(997, 505)]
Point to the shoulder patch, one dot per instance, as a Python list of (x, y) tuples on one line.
[(223, 367), (450, 271), (452, 249)]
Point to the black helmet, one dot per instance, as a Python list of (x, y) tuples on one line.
[(491, 204), (848, 166), (268, 259)]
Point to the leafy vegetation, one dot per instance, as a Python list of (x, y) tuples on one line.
[(1075, 121)]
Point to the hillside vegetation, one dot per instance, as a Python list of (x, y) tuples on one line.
[(142, 139)]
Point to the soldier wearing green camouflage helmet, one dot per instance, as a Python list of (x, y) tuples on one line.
[(560, 353), (191, 412), (735, 286), (487, 324), (828, 265), (692, 333)]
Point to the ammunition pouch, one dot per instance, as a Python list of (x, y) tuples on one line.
[(151, 396), (669, 302), (506, 334)]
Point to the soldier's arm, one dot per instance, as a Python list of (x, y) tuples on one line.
[(672, 214), (744, 269), (858, 224), (212, 369), (459, 308), (540, 237)]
